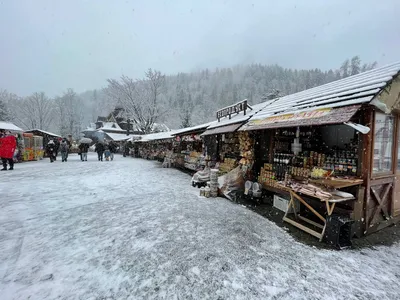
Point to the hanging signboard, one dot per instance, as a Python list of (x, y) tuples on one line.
[(234, 109), (294, 116)]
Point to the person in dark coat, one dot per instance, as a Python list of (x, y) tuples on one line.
[(51, 150), (57, 148), (83, 149), (64, 150), (99, 148)]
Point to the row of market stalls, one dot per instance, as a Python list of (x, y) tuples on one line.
[(329, 155), (30, 143)]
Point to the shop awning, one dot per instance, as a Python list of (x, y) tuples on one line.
[(321, 116), (222, 129)]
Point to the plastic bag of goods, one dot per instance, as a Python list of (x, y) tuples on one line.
[(214, 186), (202, 176), (232, 181)]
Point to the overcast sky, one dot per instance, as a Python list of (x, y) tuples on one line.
[(49, 45)]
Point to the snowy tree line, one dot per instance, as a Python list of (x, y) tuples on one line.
[(179, 100)]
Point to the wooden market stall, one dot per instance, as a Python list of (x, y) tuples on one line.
[(154, 145), (222, 140), (33, 147), (43, 141), (334, 151), (188, 148)]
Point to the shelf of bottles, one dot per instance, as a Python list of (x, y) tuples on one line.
[(284, 164)]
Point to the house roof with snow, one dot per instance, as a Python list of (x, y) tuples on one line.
[(111, 126), (158, 136), (200, 127), (159, 127), (331, 103), (353, 90), (117, 137), (44, 132), (9, 126)]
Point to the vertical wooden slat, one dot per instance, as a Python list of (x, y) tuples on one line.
[(368, 161), (395, 162), (358, 212)]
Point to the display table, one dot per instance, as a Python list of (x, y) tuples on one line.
[(337, 183), (330, 203), (330, 206)]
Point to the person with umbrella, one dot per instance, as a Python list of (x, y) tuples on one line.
[(84, 147)]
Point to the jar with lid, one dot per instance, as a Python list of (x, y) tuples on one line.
[(207, 192)]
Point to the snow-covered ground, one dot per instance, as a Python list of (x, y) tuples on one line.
[(129, 229)]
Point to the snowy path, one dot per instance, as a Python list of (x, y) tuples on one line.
[(128, 229)]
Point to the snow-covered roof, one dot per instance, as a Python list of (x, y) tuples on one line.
[(194, 128), (356, 89), (135, 137), (159, 127), (158, 136), (241, 117), (113, 126), (117, 136), (9, 126), (45, 132)]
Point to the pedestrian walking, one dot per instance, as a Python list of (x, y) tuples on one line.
[(64, 150), (51, 150), (8, 144), (20, 147), (83, 148), (113, 149), (57, 148), (107, 152), (99, 148)]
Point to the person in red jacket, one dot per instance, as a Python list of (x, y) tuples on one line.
[(8, 144)]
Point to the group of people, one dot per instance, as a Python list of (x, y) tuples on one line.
[(53, 147), (9, 149), (107, 150)]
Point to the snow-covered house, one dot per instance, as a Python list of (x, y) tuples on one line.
[(115, 127)]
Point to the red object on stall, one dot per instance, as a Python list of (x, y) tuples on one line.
[(7, 146)]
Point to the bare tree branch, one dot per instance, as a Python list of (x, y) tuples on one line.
[(138, 97)]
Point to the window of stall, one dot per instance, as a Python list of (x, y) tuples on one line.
[(382, 155)]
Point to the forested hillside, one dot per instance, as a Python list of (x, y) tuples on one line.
[(177, 100)]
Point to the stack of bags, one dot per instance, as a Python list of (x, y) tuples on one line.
[(214, 183), (228, 165), (246, 143)]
